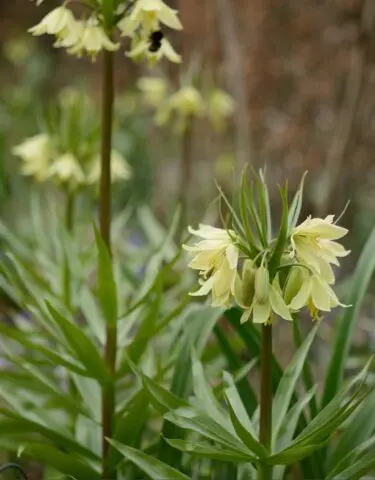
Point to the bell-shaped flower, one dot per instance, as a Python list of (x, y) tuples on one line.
[(220, 107), (120, 169), (306, 288), (259, 298), (140, 50), (154, 90), (66, 169), (166, 50), (216, 258), (70, 37), (35, 153), (313, 244), (55, 22), (148, 15), (93, 40)]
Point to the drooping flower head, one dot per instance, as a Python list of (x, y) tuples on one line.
[(36, 154), (258, 296), (304, 288), (313, 243), (216, 258), (280, 276), (147, 15)]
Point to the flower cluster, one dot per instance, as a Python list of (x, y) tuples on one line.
[(272, 280), (140, 20), (66, 152), (42, 161), (185, 103)]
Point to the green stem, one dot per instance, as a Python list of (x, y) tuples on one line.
[(185, 176), (265, 434), (108, 390), (69, 224)]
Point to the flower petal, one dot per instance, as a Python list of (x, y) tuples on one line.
[(278, 305), (321, 294), (205, 288), (232, 255), (261, 312), (300, 299)]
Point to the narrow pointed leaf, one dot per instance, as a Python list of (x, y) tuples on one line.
[(288, 382), (347, 320), (151, 466), (86, 352), (248, 439), (107, 290), (205, 450), (63, 462)]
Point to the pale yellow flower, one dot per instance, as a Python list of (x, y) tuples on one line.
[(70, 37), (66, 169), (148, 15), (258, 296), (313, 245), (154, 90), (216, 258), (36, 154), (56, 21), (120, 169), (93, 40), (140, 50), (304, 288), (187, 101), (220, 107)]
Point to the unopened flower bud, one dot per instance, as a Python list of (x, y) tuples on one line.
[(262, 281)]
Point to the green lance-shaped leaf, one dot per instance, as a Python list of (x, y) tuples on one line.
[(232, 394), (360, 428), (267, 204), (246, 436), (151, 466), (354, 455), (288, 382), (63, 462), (279, 247), (81, 345), (296, 205), (288, 428), (346, 322), (129, 425), (293, 455), (235, 362), (200, 322), (162, 399), (51, 355), (358, 469), (107, 290), (205, 397), (204, 425), (247, 207), (205, 450)]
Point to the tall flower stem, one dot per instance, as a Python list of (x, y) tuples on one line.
[(185, 176), (69, 224), (108, 390), (265, 434)]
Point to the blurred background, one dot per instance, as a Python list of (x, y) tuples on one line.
[(301, 74)]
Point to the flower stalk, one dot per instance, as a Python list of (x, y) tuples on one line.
[(108, 391), (265, 424), (185, 175), (69, 224)]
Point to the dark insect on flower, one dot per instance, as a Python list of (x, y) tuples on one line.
[(155, 39)]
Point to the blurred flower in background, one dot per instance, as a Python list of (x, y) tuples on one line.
[(66, 153)]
